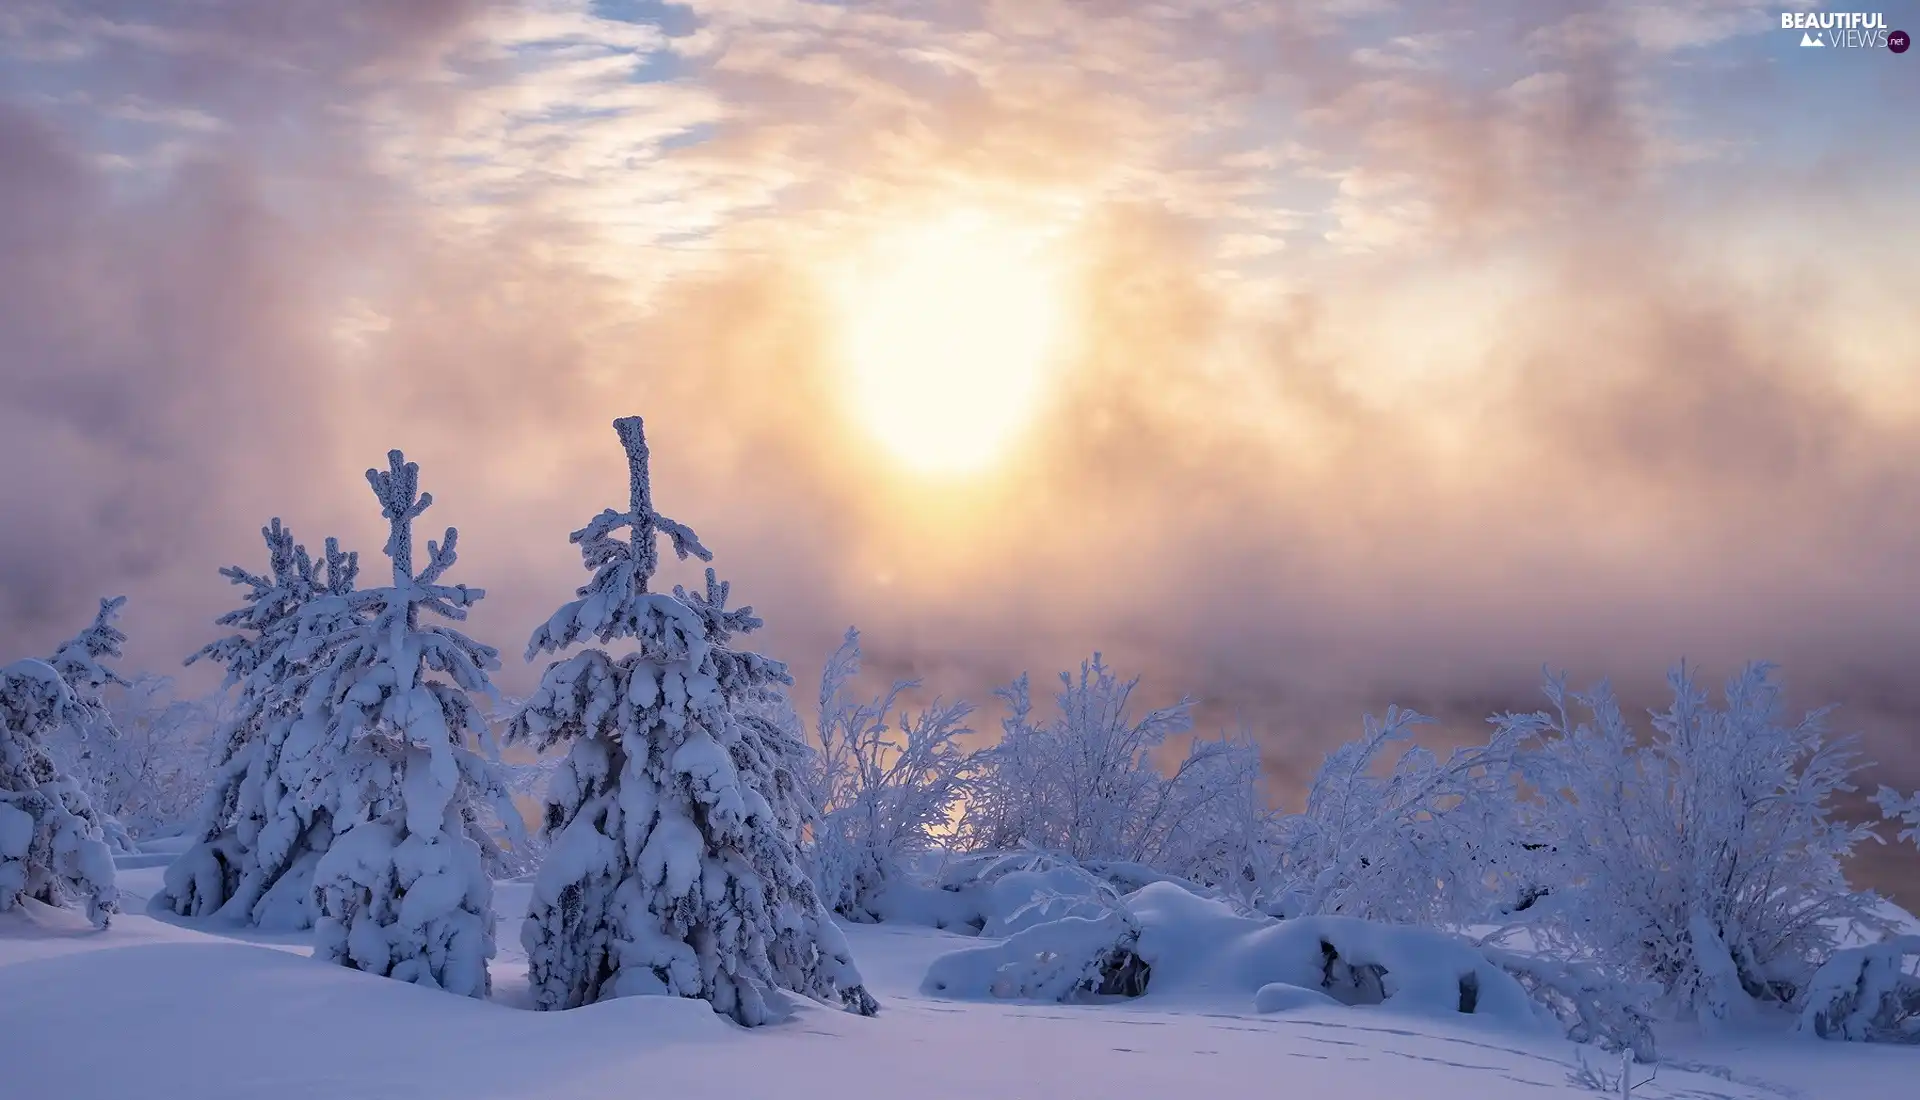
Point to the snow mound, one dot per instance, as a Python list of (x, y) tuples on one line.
[(1866, 994), (1281, 997), (1020, 900), (1174, 944), (296, 1016), (1059, 960), (1004, 893)]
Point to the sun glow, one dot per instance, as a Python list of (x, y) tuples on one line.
[(949, 335)]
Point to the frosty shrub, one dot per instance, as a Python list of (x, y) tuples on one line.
[(257, 840), (1704, 858), (1429, 842), (1904, 811), (53, 845), (152, 774), (674, 867), (384, 744), (1085, 784), (884, 790), (1592, 1006)]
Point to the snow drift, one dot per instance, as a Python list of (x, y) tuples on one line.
[(1184, 946)]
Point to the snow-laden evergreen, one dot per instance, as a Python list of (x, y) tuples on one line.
[(383, 745), (258, 841), (53, 845), (82, 747), (674, 868)]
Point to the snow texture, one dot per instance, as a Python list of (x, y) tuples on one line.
[(383, 744), (94, 1016), (673, 824)]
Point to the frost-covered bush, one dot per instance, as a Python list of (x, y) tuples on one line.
[(52, 847), (258, 838), (1591, 1006), (1430, 842), (1866, 994), (674, 866), (1085, 784), (141, 757), (1706, 858), (384, 743), (883, 791), (1901, 810)]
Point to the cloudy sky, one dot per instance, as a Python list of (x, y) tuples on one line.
[(1302, 355)]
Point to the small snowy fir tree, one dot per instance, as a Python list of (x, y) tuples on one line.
[(673, 867), (382, 742), (83, 747), (258, 843), (52, 843)]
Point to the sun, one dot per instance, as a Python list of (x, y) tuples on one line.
[(949, 335)]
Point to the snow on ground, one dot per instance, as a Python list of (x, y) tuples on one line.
[(154, 1008)]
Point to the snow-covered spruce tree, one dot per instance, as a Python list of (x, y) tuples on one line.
[(382, 742), (52, 844), (258, 841), (1705, 859), (673, 867), (81, 746), (883, 789)]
